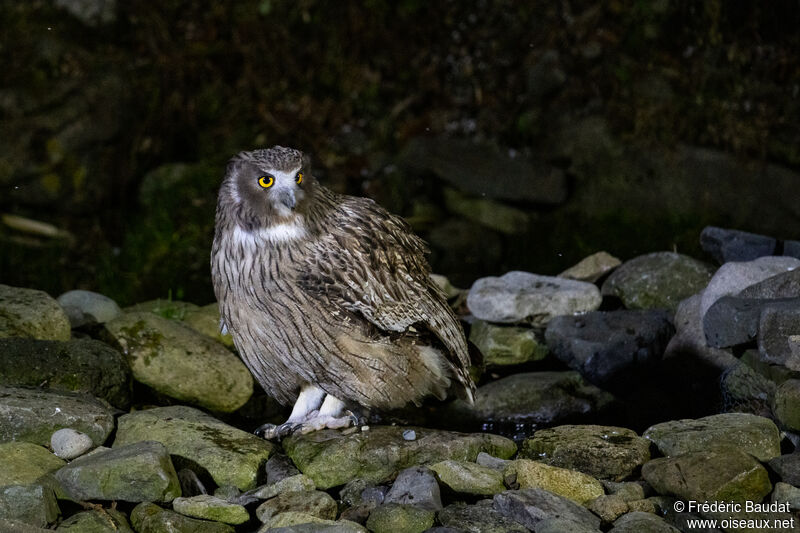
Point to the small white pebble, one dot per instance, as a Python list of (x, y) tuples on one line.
[(69, 444), (410, 434), (364, 428)]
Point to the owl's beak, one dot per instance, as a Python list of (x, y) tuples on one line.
[(287, 199)]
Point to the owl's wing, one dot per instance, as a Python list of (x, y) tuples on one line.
[(372, 264)]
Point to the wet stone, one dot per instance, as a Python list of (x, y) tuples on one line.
[(311, 502), (416, 486), (469, 478), (726, 245), (753, 434), (531, 506), (530, 298), (506, 345), (494, 463), (31, 314), (331, 458), (180, 363), (611, 346), (24, 463), (150, 518), (719, 474), (33, 415), (99, 521), (478, 518), (604, 452), (230, 455), (400, 518), (211, 508), (34, 504), (87, 308), (81, 365), (135, 473), (576, 486), (745, 390), (658, 280)]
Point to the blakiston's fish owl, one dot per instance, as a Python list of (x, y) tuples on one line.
[(328, 297)]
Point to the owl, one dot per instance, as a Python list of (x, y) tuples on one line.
[(328, 297)]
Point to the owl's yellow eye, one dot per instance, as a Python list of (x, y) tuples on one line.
[(266, 181), (299, 178)]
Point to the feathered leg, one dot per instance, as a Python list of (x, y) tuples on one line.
[(331, 415), (306, 406)]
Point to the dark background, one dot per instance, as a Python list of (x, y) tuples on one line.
[(512, 135)]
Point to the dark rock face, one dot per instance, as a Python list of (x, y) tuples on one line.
[(733, 245), (787, 467), (778, 340), (531, 506), (604, 346), (733, 320)]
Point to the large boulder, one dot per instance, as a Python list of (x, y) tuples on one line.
[(32, 314)]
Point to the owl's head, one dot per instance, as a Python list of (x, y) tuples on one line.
[(268, 186)]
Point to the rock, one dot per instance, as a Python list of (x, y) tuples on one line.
[(80, 365), (506, 345), (787, 467), (560, 525), (753, 434), (576, 486), (731, 278), (484, 459), (657, 280), (99, 521), (180, 363), (537, 397), (786, 404), (524, 297), (628, 490), (311, 502), (359, 492), (31, 314), (733, 320), (206, 320), (191, 485), (150, 518), (332, 458), (17, 526), (689, 341), (487, 213), (24, 463), (400, 518), (482, 170), (645, 505), (296, 483), (231, 456), (592, 268), (416, 486), (718, 474), (295, 522), (746, 391), (211, 508), (33, 415), (478, 518), (469, 478), (35, 505), (88, 308), (639, 522), (136, 473), (778, 343), (608, 507), (530, 506), (786, 493), (69, 444), (726, 245), (279, 467), (603, 452), (783, 285), (608, 347)]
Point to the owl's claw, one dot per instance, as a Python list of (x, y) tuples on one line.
[(272, 431)]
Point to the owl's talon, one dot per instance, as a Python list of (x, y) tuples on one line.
[(271, 431)]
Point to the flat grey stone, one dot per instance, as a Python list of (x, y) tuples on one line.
[(79, 365), (478, 518), (313, 502), (531, 506), (464, 477), (610, 346), (658, 280), (31, 314), (33, 415), (139, 472), (87, 307), (212, 508), (32, 504), (726, 245), (416, 485), (592, 268), (524, 297), (753, 434), (731, 278)]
